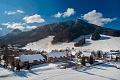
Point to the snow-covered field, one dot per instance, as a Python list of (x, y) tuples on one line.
[(106, 43), (50, 72)]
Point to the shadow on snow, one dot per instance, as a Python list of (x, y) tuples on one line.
[(85, 70)]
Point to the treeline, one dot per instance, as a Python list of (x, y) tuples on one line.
[(95, 36), (80, 42)]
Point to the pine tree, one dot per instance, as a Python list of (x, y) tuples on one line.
[(99, 54), (18, 67), (28, 66), (91, 61), (116, 58), (12, 65), (83, 60)]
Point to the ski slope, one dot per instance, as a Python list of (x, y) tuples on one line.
[(106, 43)]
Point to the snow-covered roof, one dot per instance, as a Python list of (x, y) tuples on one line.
[(86, 53), (30, 58), (68, 53), (16, 57), (73, 52), (115, 52), (56, 54)]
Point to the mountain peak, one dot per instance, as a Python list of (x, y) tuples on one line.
[(15, 32), (62, 31)]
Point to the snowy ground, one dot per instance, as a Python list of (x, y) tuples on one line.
[(106, 43), (50, 72)]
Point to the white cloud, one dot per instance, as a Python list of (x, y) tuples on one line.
[(13, 12), (1, 28), (34, 18), (10, 12), (31, 27), (20, 11), (97, 18), (14, 25), (58, 15), (69, 12)]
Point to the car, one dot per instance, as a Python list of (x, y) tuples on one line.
[(117, 64)]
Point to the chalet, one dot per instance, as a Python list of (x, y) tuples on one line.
[(13, 47), (113, 55), (67, 53), (57, 56), (76, 53), (9, 46), (87, 54), (32, 59)]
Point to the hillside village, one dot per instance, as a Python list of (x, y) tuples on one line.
[(15, 58), (59, 40)]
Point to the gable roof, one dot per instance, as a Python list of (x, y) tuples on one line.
[(74, 52), (56, 54), (86, 53), (30, 58)]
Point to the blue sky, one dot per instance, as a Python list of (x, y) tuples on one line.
[(29, 14)]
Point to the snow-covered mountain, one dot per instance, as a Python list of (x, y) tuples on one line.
[(15, 32), (65, 31), (4, 32)]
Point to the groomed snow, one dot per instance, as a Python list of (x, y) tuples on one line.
[(50, 72), (106, 43)]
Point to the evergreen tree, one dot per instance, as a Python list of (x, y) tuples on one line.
[(91, 61), (28, 66), (83, 60), (80, 42), (18, 67), (99, 54), (12, 65), (117, 58)]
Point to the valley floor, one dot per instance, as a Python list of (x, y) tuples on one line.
[(50, 72)]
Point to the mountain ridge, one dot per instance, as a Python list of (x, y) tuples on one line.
[(63, 31)]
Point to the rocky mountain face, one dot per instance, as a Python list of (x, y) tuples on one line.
[(63, 31)]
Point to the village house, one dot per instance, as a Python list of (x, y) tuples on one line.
[(31, 59), (86, 54), (76, 53), (57, 56), (113, 55)]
